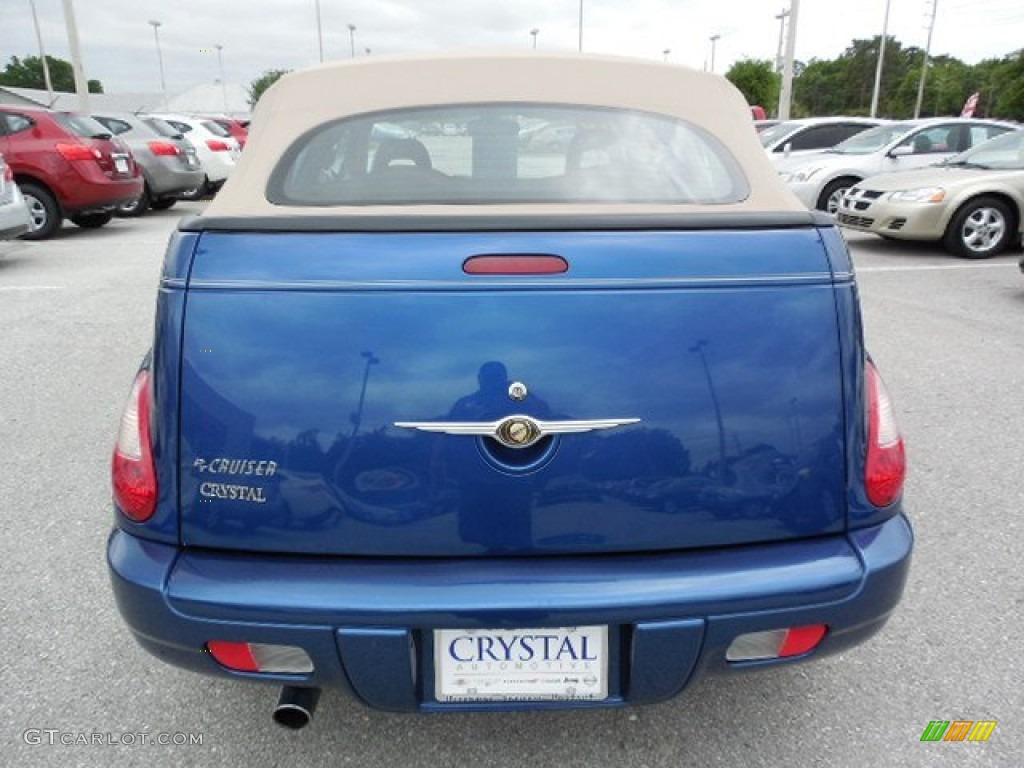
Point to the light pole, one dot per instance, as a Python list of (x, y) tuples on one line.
[(319, 32), (924, 66), (223, 87), (782, 33), (160, 58), (534, 32), (665, 54), (81, 86), (881, 58), (581, 26), (714, 39), (352, 39), (42, 54)]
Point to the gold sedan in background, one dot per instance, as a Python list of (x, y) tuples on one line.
[(973, 202)]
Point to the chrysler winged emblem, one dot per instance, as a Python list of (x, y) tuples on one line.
[(515, 431)]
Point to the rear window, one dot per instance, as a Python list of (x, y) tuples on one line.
[(215, 128), (115, 126), (80, 125), (162, 127), (506, 153)]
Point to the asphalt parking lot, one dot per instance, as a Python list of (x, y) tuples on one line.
[(76, 314)]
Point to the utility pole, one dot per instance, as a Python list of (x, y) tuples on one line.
[(786, 94), (714, 39), (924, 66), (881, 58), (81, 86), (782, 33)]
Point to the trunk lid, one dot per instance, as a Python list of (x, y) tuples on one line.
[(301, 353)]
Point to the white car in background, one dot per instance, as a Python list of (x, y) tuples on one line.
[(791, 138), (217, 149), (820, 179), (15, 219)]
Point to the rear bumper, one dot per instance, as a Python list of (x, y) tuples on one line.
[(83, 196), (672, 616), (166, 180)]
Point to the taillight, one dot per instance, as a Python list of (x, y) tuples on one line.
[(886, 465), (216, 145), (164, 148), (73, 152), (8, 173), (132, 470)]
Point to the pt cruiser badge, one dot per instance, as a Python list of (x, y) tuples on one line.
[(515, 431)]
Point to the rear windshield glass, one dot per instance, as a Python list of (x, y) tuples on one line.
[(215, 128), (162, 127), (507, 153), (80, 125)]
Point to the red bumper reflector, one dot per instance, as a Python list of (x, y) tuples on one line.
[(801, 640), (512, 264), (233, 655)]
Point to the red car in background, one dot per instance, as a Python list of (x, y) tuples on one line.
[(68, 166), (236, 128)]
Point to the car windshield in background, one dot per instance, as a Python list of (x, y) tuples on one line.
[(1003, 153), (162, 127), (772, 134), (80, 125), (872, 139), (502, 153)]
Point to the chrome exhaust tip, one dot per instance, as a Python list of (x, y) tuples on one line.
[(296, 706)]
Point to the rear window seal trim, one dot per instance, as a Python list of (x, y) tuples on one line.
[(398, 222)]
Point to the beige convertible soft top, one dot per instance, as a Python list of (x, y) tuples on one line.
[(306, 99)]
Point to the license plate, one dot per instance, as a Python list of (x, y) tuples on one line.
[(121, 163), (565, 664)]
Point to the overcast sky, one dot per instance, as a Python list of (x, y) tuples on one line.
[(118, 46)]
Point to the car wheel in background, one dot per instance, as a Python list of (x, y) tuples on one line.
[(981, 228), (92, 220), (163, 203), (45, 214), (833, 193), (136, 207)]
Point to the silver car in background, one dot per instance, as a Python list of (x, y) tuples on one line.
[(217, 149), (14, 215), (973, 203), (821, 179), (169, 164)]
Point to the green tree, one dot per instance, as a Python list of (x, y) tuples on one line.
[(258, 86), (1008, 87), (757, 81), (28, 73)]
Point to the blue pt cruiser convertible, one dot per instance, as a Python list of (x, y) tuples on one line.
[(505, 381)]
